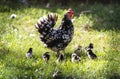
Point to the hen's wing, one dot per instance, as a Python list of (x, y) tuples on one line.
[(45, 28)]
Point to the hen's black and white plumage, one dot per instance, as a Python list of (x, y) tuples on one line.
[(56, 39)]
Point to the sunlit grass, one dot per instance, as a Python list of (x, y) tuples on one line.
[(19, 34)]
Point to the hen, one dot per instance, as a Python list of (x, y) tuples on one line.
[(59, 38)]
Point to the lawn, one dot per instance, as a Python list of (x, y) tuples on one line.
[(98, 24)]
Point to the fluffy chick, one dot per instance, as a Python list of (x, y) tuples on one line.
[(78, 50), (29, 53), (91, 54), (46, 56), (13, 16), (75, 58), (91, 46), (60, 57)]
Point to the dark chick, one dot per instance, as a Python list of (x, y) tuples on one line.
[(90, 54), (60, 58), (91, 46), (78, 50), (29, 53), (46, 56), (75, 58)]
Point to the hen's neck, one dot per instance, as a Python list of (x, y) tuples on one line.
[(66, 24)]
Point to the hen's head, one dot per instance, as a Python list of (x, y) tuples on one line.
[(70, 13)]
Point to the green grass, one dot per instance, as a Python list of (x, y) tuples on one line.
[(101, 27)]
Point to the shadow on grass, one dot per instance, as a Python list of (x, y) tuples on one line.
[(114, 76), (104, 17), (4, 52)]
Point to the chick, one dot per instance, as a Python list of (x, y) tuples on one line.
[(29, 53), (78, 50), (60, 58), (46, 56), (90, 54), (75, 58), (13, 16), (91, 46)]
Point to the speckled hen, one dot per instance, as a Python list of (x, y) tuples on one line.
[(59, 38)]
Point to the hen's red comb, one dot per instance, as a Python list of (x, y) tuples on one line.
[(70, 13), (70, 10)]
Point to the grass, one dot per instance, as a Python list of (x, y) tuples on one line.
[(100, 26)]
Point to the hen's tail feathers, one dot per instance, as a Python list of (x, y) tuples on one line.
[(52, 17), (45, 22)]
